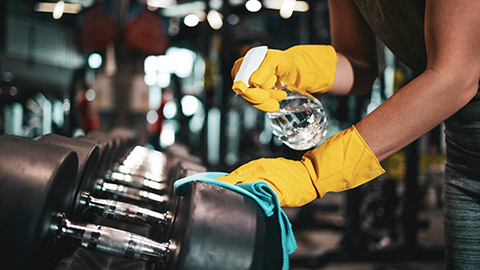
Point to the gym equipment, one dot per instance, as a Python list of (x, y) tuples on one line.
[(104, 152), (31, 188), (142, 169), (133, 173), (214, 228), (114, 141), (128, 138), (114, 209), (87, 168), (141, 162), (131, 213), (132, 188), (129, 189), (109, 148), (115, 151)]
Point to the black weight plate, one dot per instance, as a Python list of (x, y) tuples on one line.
[(216, 228), (129, 137), (178, 169), (33, 188), (88, 157), (105, 152), (112, 141), (123, 145)]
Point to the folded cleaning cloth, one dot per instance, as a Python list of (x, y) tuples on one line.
[(279, 234)]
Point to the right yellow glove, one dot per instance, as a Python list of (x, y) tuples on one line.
[(303, 68), (343, 162)]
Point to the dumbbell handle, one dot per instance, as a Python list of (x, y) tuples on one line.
[(124, 211), (113, 241), (129, 192), (135, 181), (141, 172)]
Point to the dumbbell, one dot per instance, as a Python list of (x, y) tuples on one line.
[(133, 189), (128, 137), (214, 228), (114, 209), (141, 167), (82, 201), (140, 162), (106, 146), (126, 176), (116, 152), (129, 175), (124, 187), (155, 183)]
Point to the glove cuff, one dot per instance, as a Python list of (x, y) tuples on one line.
[(343, 162)]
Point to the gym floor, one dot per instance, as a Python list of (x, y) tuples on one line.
[(318, 243)]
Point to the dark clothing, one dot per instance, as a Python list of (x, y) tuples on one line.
[(461, 221), (400, 26)]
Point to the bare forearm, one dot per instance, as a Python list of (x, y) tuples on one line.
[(415, 109), (352, 76), (355, 44), (343, 82), (451, 79)]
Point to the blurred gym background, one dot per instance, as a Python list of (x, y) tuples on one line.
[(162, 69)]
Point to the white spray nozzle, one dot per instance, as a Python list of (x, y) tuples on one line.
[(251, 62)]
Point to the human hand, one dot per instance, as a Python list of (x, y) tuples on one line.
[(303, 69), (288, 178), (344, 161)]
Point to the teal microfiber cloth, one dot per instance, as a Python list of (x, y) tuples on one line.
[(279, 239)]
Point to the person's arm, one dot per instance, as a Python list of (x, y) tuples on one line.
[(450, 81), (351, 157), (355, 44)]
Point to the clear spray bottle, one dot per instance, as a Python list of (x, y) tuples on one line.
[(300, 123)]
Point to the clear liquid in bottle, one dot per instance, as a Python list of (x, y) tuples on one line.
[(300, 123)]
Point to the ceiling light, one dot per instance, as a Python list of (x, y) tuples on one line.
[(300, 6), (161, 3), (191, 20), (253, 5), (181, 10), (58, 10), (286, 10), (50, 7), (94, 60), (214, 19)]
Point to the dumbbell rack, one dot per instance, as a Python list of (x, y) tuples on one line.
[(241, 226), (80, 258)]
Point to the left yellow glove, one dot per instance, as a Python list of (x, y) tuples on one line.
[(343, 162), (302, 68)]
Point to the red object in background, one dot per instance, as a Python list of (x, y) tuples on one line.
[(88, 119), (145, 33), (97, 30), (156, 128)]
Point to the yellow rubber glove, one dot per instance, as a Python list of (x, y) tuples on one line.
[(303, 68), (343, 162)]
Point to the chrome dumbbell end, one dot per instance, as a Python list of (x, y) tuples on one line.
[(130, 193), (135, 181), (112, 241), (124, 211)]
